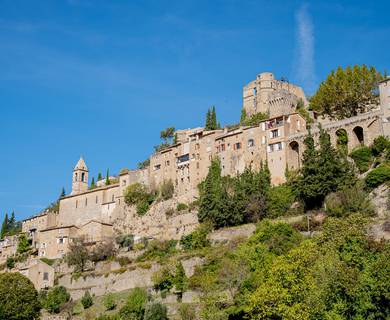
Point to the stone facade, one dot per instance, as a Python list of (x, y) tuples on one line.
[(100, 213), (40, 273)]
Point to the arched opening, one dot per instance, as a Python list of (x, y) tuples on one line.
[(83, 177), (358, 135), (293, 156), (342, 141), (75, 177)]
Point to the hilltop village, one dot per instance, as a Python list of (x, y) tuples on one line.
[(101, 213)]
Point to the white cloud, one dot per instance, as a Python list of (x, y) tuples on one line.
[(305, 43)]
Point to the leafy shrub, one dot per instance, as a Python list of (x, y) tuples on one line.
[(279, 238), (10, 262), (167, 189), (109, 302), (23, 245), (380, 145), (180, 278), (87, 300), (134, 308), (187, 311), (103, 251), (181, 207), (163, 279), (280, 199), (158, 249), (143, 207), (377, 176), (125, 241), (362, 157), (347, 201), (18, 297), (48, 261), (155, 311), (124, 261), (56, 297), (196, 239)]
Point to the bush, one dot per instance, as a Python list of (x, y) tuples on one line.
[(348, 201), (18, 297), (380, 145), (155, 311), (163, 279), (23, 245), (377, 176), (196, 239), (10, 262), (103, 251), (187, 312), (125, 241), (362, 157), (109, 302), (167, 189), (158, 249), (135, 193), (143, 208), (134, 308), (56, 297), (87, 300), (78, 255), (280, 199), (181, 207), (48, 261)]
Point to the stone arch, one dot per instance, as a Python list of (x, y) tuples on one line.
[(294, 156), (342, 140), (357, 136)]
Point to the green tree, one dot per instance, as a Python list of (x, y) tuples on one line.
[(109, 302), (10, 262), (55, 298), (86, 300), (155, 311), (211, 120), (167, 134), (243, 116), (207, 125), (93, 185), (107, 177), (23, 244), (180, 278), (78, 255), (12, 222), (323, 171), (63, 193), (100, 177), (134, 308), (18, 298), (347, 92), (4, 226)]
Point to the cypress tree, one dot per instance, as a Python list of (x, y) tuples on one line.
[(100, 177), (93, 186), (12, 222), (107, 177), (62, 193), (213, 120), (243, 116), (4, 226)]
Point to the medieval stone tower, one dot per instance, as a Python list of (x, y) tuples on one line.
[(80, 177)]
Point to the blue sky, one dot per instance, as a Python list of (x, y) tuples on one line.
[(102, 78)]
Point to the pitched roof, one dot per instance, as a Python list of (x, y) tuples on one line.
[(81, 165)]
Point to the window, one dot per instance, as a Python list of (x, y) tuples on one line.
[(157, 167), (263, 140), (60, 240), (43, 245), (237, 146), (197, 165), (251, 143), (274, 133), (86, 201), (275, 147), (167, 163), (112, 198), (83, 177), (124, 182), (75, 176), (222, 147)]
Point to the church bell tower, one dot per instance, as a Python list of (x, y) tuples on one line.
[(80, 177)]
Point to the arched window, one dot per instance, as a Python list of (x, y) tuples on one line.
[(83, 177), (75, 177), (251, 143)]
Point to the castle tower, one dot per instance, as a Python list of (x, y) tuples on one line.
[(80, 177), (384, 95)]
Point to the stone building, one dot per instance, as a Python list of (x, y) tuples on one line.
[(277, 141)]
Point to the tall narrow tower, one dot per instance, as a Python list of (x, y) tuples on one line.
[(80, 177)]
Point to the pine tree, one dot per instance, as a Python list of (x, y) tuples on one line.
[(4, 226), (107, 177), (93, 186), (12, 222)]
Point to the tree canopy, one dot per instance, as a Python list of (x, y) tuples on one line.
[(347, 92), (18, 298)]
